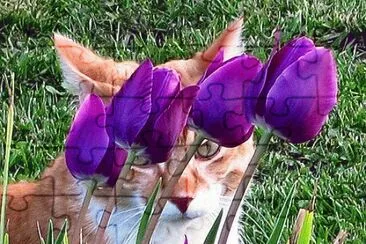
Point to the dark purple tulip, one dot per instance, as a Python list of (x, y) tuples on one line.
[(112, 163), (147, 115), (170, 109), (165, 86), (295, 92), (99, 135), (218, 112), (130, 107), (87, 141)]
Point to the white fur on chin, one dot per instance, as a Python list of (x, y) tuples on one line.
[(172, 227)]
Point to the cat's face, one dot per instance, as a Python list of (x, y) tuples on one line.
[(211, 176), (206, 187)]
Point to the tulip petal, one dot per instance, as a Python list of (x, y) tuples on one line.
[(131, 106), (162, 138), (214, 65), (287, 55), (166, 85), (113, 160), (218, 112), (112, 163), (87, 140), (301, 98)]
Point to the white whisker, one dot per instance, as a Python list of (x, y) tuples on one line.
[(134, 236), (129, 217), (128, 210), (133, 231)]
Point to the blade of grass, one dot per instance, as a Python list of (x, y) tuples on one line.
[(147, 213), (50, 238), (6, 238), (297, 226), (9, 133), (66, 239), (306, 230), (280, 223), (303, 227), (63, 233), (211, 236)]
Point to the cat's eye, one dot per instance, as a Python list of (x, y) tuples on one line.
[(207, 150)]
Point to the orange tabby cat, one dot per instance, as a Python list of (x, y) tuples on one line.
[(206, 186)]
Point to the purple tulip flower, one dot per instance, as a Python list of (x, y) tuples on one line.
[(130, 107), (295, 91), (147, 115), (91, 147), (88, 142), (168, 116), (161, 117), (218, 112)]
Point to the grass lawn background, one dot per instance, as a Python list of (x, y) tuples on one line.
[(163, 30)]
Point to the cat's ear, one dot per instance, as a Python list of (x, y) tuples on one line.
[(85, 72), (230, 40)]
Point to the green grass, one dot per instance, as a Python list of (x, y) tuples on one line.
[(163, 30)]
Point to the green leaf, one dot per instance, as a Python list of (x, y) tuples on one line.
[(6, 238), (211, 236), (303, 226), (50, 238), (66, 239), (62, 234), (147, 213), (280, 223), (306, 229)]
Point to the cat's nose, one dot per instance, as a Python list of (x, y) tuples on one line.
[(182, 203)]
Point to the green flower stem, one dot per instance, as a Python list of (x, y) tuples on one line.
[(168, 190), (9, 133), (91, 186), (112, 199), (240, 192)]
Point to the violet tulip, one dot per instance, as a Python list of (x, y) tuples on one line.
[(91, 149), (295, 91), (163, 116), (147, 115), (218, 112), (168, 117), (87, 140)]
